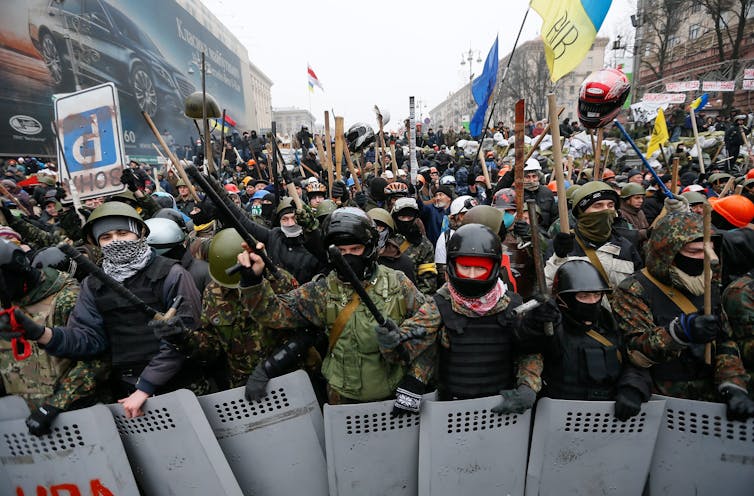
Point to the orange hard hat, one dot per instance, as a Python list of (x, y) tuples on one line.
[(553, 186), (251, 162), (231, 188), (736, 209), (608, 174)]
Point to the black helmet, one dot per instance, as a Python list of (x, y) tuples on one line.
[(359, 136), (172, 214), (351, 226), (53, 257), (17, 276), (474, 240), (577, 276)]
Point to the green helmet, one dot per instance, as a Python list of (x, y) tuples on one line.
[(112, 209), (486, 215), (632, 189), (181, 182), (719, 176), (285, 203), (192, 106), (571, 191), (591, 192), (326, 207), (46, 179), (382, 215), (694, 197), (223, 254), (123, 196)]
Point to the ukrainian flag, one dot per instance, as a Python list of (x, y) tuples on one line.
[(700, 102), (569, 28)]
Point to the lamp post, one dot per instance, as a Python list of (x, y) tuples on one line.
[(468, 57)]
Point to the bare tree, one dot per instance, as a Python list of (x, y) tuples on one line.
[(528, 78), (729, 18), (660, 25)]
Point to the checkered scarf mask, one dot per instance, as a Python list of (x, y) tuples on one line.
[(123, 259)]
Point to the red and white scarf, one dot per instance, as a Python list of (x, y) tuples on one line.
[(482, 304)]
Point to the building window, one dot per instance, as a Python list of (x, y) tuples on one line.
[(571, 90), (695, 30), (696, 6), (674, 41)]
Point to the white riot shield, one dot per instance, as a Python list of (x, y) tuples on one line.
[(172, 449), (699, 451), (370, 452), (13, 407), (82, 455), (579, 447), (274, 446), (464, 448)]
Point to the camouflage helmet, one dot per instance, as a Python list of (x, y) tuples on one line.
[(223, 254), (632, 189), (325, 208), (382, 215), (192, 106), (113, 209), (487, 216)]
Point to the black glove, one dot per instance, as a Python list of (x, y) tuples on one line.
[(697, 328), (256, 384), (167, 329), (547, 311), (249, 278), (31, 330), (388, 334), (522, 229), (740, 406), (516, 400), (361, 199), (562, 243), (40, 420), (408, 396), (129, 179), (627, 403)]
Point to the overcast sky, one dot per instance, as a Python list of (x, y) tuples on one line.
[(380, 56)]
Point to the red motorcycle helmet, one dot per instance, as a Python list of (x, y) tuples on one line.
[(601, 97)]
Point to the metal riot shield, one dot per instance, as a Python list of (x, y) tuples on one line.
[(370, 452), (699, 451), (579, 447), (82, 455), (465, 448), (172, 449), (13, 407), (274, 446)]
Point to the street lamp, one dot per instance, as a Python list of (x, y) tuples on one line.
[(469, 56)]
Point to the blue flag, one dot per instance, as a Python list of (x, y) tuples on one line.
[(482, 88)]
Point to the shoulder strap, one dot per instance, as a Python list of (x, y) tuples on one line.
[(674, 295), (603, 341), (340, 322), (594, 259)]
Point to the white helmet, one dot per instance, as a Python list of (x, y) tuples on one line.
[(447, 180), (462, 204), (532, 165)]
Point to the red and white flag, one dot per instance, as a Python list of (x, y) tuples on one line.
[(313, 79)]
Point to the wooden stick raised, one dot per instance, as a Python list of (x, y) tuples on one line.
[(173, 158), (518, 170), (557, 157), (340, 141), (328, 154), (676, 167)]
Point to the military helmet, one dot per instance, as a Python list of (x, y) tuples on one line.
[(286, 203), (325, 208), (694, 197), (54, 257), (487, 216), (382, 215), (592, 192), (164, 235), (124, 196), (192, 106), (632, 189), (113, 209), (181, 182), (474, 240), (576, 276), (223, 254)]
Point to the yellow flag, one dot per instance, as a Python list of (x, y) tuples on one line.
[(569, 28), (659, 133)]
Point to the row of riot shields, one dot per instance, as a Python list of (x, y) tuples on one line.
[(222, 444)]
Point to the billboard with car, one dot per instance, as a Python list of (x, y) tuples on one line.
[(150, 50)]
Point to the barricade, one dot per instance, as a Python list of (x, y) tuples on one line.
[(274, 446), (579, 447), (699, 451), (465, 448), (172, 449), (82, 456), (13, 407), (370, 452)]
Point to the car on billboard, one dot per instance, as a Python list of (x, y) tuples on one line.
[(106, 46)]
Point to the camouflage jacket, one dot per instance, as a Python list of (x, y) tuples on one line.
[(44, 379), (428, 321), (738, 306), (647, 342), (423, 257), (307, 306), (230, 333)]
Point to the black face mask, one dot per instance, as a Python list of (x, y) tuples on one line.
[(580, 312), (691, 266), (267, 210), (360, 266), (408, 228)]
